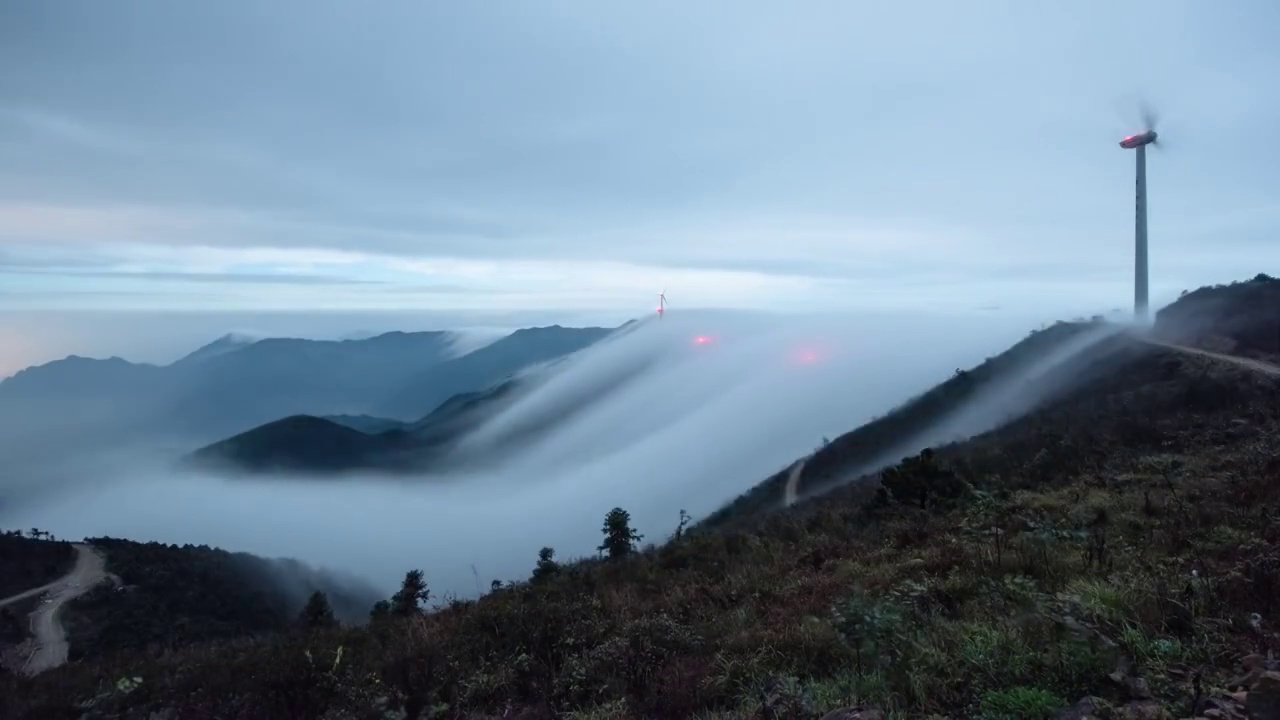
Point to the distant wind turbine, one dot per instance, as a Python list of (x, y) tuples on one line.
[(662, 303)]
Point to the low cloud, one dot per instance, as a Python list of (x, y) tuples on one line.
[(198, 277), (651, 421)]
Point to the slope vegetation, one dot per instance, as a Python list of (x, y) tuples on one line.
[(1032, 371), (28, 566), (172, 596), (28, 562), (1117, 541), (1239, 319)]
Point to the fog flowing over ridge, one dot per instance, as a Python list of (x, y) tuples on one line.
[(1009, 397), (681, 413)]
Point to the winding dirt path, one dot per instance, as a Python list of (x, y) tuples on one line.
[(789, 494), (1261, 366), (50, 642), (29, 593)]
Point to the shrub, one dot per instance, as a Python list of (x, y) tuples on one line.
[(1019, 703)]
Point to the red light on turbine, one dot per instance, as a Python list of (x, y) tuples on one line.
[(702, 340), (809, 355)]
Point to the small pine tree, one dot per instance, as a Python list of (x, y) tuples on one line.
[(619, 539), (684, 520), (317, 613), (381, 611), (547, 566), (412, 592)]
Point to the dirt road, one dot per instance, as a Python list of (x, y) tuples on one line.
[(1255, 365), (793, 481), (29, 593), (50, 644)]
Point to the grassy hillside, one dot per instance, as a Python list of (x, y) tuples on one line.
[(1239, 318), (886, 439), (1116, 542)]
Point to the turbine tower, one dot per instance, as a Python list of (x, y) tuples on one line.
[(662, 303), (1139, 143)]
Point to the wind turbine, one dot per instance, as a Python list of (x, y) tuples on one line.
[(662, 303), (1139, 143)]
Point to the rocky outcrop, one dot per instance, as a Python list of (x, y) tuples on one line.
[(1263, 700)]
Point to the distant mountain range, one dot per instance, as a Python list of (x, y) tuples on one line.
[(314, 445), (346, 443), (236, 383)]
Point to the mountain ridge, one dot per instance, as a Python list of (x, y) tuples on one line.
[(316, 445), (226, 387)]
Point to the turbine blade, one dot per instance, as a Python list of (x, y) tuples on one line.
[(1149, 117)]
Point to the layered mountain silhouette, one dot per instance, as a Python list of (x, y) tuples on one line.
[(313, 445), (237, 383), (345, 443), (500, 372)]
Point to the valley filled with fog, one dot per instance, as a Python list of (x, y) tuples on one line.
[(681, 413)]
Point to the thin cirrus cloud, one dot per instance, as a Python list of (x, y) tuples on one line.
[(568, 152)]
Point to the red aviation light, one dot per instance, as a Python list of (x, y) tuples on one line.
[(810, 354)]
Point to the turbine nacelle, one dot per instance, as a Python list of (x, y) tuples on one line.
[(1136, 141)]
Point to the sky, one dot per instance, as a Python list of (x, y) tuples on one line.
[(321, 160)]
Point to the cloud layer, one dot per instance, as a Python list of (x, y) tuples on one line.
[(662, 423)]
